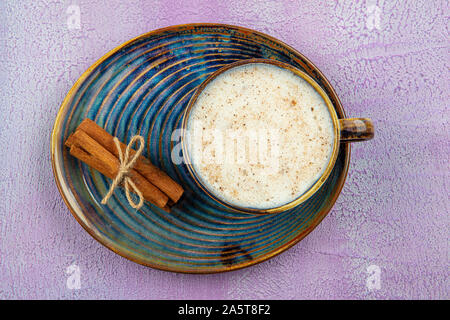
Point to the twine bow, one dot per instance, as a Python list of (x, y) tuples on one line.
[(125, 166)]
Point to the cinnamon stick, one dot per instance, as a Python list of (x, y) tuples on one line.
[(88, 150), (152, 173)]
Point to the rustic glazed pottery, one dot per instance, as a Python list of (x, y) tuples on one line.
[(143, 87), (345, 130)]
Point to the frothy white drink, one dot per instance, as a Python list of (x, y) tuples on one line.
[(259, 136)]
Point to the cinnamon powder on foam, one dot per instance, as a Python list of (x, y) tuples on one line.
[(292, 126)]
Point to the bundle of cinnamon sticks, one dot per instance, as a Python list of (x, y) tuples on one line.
[(93, 145)]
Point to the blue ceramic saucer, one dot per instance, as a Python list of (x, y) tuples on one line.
[(142, 87)]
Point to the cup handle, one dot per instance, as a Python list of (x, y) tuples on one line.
[(356, 129)]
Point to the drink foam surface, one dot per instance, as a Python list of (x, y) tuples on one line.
[(259, 136)]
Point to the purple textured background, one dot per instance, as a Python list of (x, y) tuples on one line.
[(388, 60)]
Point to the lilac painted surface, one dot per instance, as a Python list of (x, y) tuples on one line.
[(388, 60)]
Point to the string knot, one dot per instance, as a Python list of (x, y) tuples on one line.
[(126, 164)]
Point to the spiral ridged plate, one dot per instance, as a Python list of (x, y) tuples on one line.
[(143, 87)]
